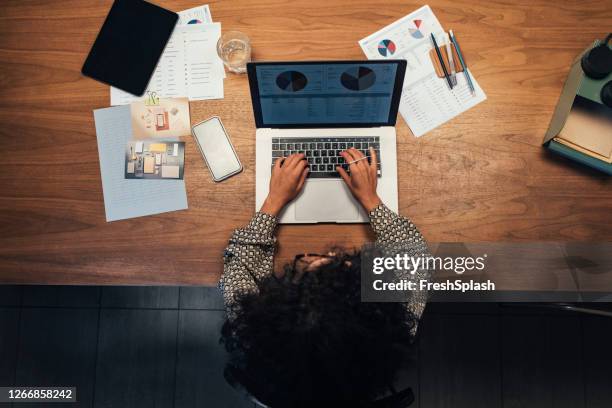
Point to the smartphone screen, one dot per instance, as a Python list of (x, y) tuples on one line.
[(216, 148)]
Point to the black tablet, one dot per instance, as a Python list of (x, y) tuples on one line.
[(129, 45)]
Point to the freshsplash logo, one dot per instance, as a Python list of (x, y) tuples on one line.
[(412, 264)]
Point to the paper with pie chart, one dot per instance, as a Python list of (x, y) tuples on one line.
[(426, 101), (195, 15)]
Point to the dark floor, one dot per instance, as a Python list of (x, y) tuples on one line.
[(158, 347)]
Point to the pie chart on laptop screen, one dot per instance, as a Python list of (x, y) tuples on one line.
[(358, 78), (291, 81)]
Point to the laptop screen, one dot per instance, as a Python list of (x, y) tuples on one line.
[(326, 94)]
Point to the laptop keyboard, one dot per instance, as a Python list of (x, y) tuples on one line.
[(323, 153)]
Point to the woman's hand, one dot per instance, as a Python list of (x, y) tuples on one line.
[(363, 179), (288, 177)]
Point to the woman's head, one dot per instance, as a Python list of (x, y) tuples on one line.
[(306, 339)]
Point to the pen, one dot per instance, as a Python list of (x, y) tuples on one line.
[(451, 60), (462, 61), (450, 84)]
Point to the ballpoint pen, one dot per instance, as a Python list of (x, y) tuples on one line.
[(450, 84), (462, 61), (451, 61)]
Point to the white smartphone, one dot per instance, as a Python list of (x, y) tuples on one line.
[(216, 148)]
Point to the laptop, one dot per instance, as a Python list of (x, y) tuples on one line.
[(320, 108)]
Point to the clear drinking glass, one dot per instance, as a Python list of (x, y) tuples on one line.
[(234, 49)]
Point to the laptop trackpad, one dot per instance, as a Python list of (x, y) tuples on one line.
[(325, 201)]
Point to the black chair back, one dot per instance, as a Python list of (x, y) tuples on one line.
[(236, 378)]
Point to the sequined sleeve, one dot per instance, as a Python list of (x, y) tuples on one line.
[(248, 258), (398, 234)]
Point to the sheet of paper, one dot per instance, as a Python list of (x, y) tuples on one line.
[(204, 74), (129, 198), (426, 102), (189, 67), (195, 15)]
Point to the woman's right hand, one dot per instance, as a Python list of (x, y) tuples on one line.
[(363, 178), (288, 177)]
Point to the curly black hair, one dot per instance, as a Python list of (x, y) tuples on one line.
[(312, 342)]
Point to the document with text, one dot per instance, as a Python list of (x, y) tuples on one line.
[(195, 15), (427, 101)]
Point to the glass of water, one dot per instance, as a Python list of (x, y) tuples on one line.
[(234, 49)]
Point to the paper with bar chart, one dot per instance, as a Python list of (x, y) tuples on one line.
[(427, 102)]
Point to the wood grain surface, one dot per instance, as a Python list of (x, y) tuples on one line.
[(481, 177)]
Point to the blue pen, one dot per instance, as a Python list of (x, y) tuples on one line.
[(461, 60)]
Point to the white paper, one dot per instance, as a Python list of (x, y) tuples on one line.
[(204, 74), (195, 15), (125, 198), (426, 102), (189, 67)]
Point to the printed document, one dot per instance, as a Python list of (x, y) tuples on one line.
[(196, 15), (427, 101)]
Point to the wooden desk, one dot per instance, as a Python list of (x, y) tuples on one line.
[(481, 177)]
